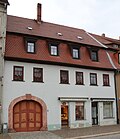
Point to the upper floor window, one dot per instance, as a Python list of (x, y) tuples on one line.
[(75, 52), (18, 73), (31, 47), (106, 80), (93, 79), (64, 77), (30, 44), (37, 75), (79, 111), (94, 55), (79, 78), (54, 50)]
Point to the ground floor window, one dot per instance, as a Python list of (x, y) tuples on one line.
[(79, 110), (107, 109)]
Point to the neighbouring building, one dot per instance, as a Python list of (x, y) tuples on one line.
[(114, 44), (3, 17), (56, 76)]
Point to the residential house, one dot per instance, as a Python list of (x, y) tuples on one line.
[(114, 44), (55, 76)]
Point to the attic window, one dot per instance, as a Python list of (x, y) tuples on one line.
[(53, 48), (59, 34), (30, 45), (79, 37), (93, 52), (94, 55)]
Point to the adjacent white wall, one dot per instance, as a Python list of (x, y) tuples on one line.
[(51, 89)]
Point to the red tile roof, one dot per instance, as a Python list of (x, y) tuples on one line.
[(49, 30), (15, 49), (106, 40)]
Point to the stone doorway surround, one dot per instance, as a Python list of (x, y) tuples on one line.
[(27, 97)]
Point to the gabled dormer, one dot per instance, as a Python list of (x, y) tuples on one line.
[(93, 52)]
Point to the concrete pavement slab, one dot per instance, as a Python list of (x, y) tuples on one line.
[(34, 135)]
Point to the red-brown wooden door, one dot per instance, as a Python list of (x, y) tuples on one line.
[(27, 116)]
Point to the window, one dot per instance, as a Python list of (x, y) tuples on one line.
[(93, 79), (18, 73), (107, 109), (94, 55), (64, 78), (79, 78), (79, 111), (106, 80), (30, 47), (75, 53), (37, 75), (54, 50), (30, 44)]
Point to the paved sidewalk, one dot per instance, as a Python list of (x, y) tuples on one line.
[(78, 133), (87, 132)]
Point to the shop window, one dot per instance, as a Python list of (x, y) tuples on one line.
[(18, 73), (79, 111), (107, 109)]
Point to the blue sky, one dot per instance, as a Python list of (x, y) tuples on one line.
[(95, 16)]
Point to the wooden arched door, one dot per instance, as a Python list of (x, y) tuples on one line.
[(27, 116)]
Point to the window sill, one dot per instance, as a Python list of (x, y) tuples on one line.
[(109, 118), (31, 53), (93, 85), (106, 85), (79, 84), (18, 81), (37, 81), (65, 83)]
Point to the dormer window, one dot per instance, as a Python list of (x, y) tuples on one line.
[(53, 48), (75, 53), (31, 47), (94, 55), (30, 44)]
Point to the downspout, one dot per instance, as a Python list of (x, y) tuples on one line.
[(114, 73)]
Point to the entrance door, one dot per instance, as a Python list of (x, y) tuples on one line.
[(64, 115), (94, 113), (27, 116)]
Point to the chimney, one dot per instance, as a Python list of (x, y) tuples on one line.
[(39, 7), (103, 35)]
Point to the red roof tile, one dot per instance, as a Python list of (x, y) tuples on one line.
[(15, 48), (49, 30)]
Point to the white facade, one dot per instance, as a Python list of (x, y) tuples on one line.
[(51, 90)]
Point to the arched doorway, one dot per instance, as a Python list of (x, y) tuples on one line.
[(27, 116), (27, 113)]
